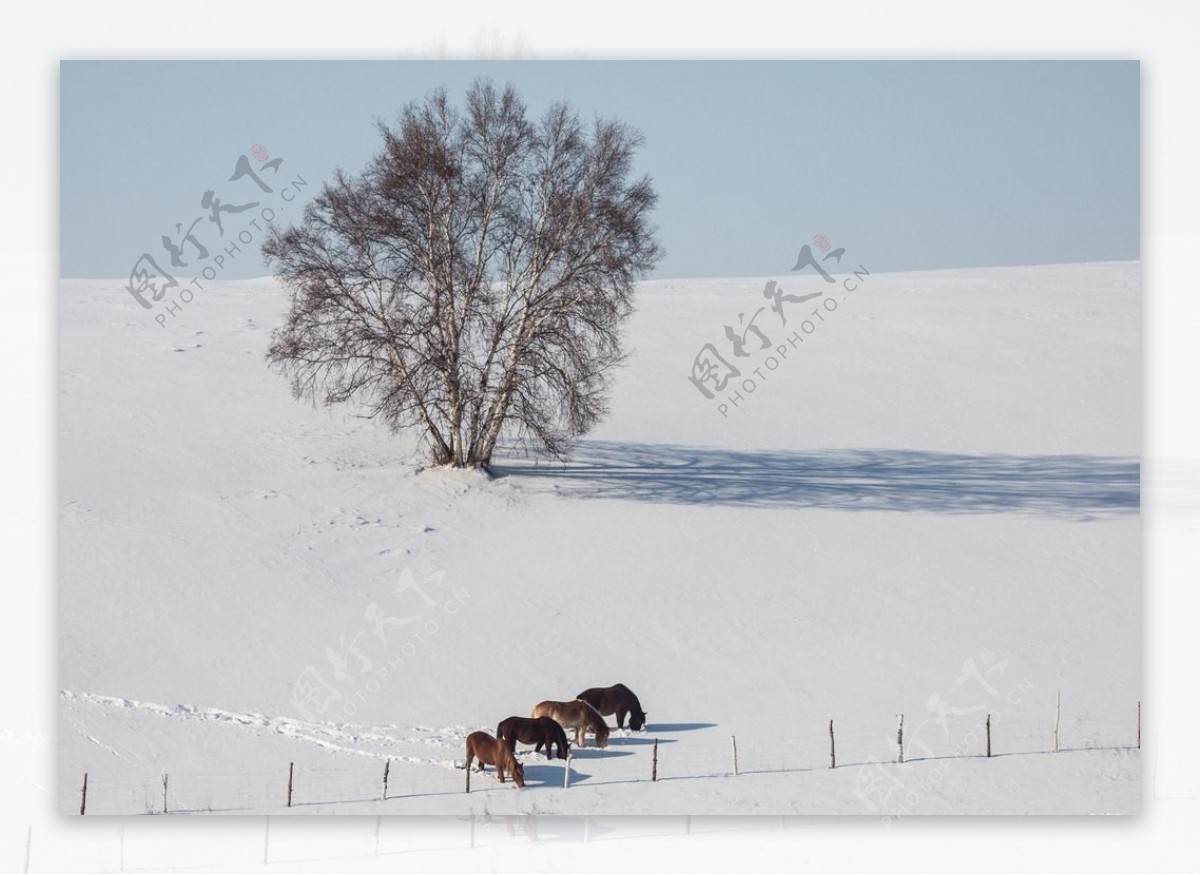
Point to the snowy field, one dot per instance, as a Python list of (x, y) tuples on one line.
[(928, 507)]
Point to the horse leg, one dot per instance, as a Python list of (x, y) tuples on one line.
[(621, 712), (580, 738)]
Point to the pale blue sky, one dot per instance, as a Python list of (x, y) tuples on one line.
[(909, 165)]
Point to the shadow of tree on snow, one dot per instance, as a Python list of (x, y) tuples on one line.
[(890, 480)]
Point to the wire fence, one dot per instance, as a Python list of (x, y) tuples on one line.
[(628, 758)]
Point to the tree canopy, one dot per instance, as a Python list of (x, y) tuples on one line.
[(472, 281)]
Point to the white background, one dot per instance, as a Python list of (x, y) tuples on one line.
[(1163, 36)]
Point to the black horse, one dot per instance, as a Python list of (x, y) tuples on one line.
[(533, 730), (617, 699)]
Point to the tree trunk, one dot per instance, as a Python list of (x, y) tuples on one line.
[(493, 422)]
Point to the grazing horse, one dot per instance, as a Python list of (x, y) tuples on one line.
[(617, 699), (494, 753), (576, 715), (539, 731)]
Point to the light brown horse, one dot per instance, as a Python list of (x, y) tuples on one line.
[(491, 752), (577, 715)]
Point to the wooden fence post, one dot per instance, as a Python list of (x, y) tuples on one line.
[(988, 730), (733, 738), (1139, 725), (654, 763), (164, 794), (567, 772), (291, 768), (83, 802), (832, 749), (468, 777), (1057, 718), (387, 765), (900, 737)]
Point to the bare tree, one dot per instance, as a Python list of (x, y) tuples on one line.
[(473, 280)]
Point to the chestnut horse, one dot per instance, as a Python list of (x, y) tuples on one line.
[(617, 699), (540, 731), (491, 752), (576, 715)]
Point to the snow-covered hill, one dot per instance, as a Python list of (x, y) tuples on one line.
[(927, 504)]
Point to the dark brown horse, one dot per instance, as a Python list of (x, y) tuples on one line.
[(537, 730), (491, 752), (617, 699)]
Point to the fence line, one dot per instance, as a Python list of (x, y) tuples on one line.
[(627, 759)]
